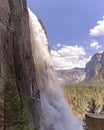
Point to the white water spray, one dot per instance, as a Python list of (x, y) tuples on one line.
[(56, 113)]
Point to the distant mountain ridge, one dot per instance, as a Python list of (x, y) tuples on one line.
[(71, 76), (95, 67), (94, 70)]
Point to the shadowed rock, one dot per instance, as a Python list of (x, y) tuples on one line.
[(16, 61)]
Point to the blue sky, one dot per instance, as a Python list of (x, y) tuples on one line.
[(74, 32)]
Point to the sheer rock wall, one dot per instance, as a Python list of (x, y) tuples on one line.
[(16, 61)]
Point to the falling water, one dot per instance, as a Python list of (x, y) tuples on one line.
[(56, 113)]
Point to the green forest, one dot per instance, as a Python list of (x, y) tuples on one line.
[(84, 98), (80, 96), (12, 114)]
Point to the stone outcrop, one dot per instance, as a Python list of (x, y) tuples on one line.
[(95, 121), (16, 61), (95, 66)]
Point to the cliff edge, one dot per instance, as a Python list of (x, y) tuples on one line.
[(16, 61)]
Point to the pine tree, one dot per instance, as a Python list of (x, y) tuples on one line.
[(92, 107), (13, 115), (1, 110), (102, 109)]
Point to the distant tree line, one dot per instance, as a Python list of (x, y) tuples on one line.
[(85, 99), (80, 95)]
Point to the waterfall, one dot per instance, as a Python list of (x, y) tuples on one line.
[(56, 113)]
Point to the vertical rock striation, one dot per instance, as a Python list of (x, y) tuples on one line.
[(16, 61), (95, 67)]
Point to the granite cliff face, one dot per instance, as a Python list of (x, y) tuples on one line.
[(94, 70), (95, 67), (16, 60)]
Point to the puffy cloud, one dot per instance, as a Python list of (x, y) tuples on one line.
[(98, 30), (68, 57), (58, 45), (95, 45)]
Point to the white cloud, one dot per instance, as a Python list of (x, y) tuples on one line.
[(68, 57), (95, 45), (58, 45), (98, 30)]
